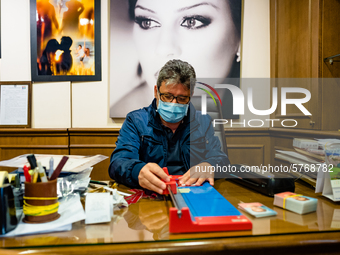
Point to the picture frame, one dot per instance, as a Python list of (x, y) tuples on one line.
[(15, 104), (146, 34), (65, 40)]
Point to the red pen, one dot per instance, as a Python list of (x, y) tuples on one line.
[(26, 173)]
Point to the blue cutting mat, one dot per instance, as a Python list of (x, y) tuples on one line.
[(206, 201)]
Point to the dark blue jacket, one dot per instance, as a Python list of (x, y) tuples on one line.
[(142, 140)]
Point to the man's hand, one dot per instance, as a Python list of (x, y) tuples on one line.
[(197, 175), (149, 178)]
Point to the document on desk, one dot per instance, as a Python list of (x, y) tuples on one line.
[(97, 208), (320, 179), (75, 163), (330, 187), (70, 210)]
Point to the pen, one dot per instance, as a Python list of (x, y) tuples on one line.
[(97, 182), (27, 174), (35, 177), (31, 172), (119, 192), (32, 160), (59, 168), (51, 168), (41, 172)]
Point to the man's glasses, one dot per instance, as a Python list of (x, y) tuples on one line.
[(166, 97)]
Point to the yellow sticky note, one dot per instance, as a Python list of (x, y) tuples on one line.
[(184, 190)]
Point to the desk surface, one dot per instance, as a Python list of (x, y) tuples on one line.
[(143, 228)]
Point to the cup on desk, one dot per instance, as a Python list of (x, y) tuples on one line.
[(41, 202)]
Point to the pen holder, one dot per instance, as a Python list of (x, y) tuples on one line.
[(41, 202)]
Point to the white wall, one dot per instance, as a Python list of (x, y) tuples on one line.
[(15, 40), (256, 39), (256, 57), (86, 104)]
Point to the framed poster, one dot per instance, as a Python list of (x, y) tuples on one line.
[(15, 104), (65, 40), (145, 34)]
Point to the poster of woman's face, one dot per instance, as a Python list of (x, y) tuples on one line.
[(145, 34), (63, 39)]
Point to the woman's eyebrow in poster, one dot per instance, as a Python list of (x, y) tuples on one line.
[(143, 8), (197, 5)]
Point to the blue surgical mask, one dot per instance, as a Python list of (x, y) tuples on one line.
[(172, 112)]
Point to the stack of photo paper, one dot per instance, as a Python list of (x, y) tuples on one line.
[(295, 202), (309, 219), (257, 209)]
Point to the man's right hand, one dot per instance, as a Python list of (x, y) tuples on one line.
[(149, 178)]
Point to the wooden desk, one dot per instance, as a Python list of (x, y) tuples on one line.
[(143, 229)]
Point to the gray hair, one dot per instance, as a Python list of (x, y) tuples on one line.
[(177, 72)]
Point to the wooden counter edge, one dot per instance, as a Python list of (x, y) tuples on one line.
[(311, 243)]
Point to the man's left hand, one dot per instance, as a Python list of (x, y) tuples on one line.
[(194, 177)]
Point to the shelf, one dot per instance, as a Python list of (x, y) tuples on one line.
[(332, 59)]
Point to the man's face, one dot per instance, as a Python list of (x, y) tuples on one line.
[(173, 89)]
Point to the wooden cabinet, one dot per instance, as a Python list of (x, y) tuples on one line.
[(86, 141), (303, 33), (73, 141), (250, 146), (17, 141)]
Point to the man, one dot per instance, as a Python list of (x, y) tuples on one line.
[(169, 133)]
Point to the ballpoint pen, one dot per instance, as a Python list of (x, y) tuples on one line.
[(98, 182), (59, 168), (50, 172)]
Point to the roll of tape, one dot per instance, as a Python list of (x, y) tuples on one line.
[(3, 178)]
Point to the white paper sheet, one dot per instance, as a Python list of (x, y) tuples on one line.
[(70, 210), (97, 208), (320, 179), (13, 104), (299, 156), (74, 164)]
